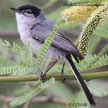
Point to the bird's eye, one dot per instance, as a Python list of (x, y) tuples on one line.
[(28, 11)]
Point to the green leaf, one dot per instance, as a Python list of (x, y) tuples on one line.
[(98, 87), (39, 87)]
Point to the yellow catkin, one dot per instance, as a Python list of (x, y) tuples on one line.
[(97, 17), (78, 13)]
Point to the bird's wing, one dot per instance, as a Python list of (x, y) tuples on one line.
[(62, 42), (41, 32)]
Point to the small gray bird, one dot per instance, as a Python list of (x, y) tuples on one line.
[(33, 26)]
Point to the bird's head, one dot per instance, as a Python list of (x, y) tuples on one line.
[(27, 13)]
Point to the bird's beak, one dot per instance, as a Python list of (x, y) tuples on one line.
[(16, 10)]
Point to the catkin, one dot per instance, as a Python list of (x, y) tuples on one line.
[(96, 18), (78, 13)]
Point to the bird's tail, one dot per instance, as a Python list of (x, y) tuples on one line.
[(80, 80)]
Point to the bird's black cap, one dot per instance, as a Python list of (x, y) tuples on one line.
[(34, 9)]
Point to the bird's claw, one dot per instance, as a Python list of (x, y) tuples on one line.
[(64, 78), (43, 77)]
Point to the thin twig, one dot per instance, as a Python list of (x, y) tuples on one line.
[(6, 99), (49, 99), (27, 104)]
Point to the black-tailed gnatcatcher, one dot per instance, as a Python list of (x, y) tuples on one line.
[(33, 26)]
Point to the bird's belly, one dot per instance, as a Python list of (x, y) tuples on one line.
[(35, 45)]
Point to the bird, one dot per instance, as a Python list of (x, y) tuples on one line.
[(33, 26)]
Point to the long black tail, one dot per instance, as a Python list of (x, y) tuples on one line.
[(79, 78)]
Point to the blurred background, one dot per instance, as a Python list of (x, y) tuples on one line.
[(67, 91)]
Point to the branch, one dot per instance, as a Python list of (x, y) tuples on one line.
[(50, 98), (25, 78), (9, 34)]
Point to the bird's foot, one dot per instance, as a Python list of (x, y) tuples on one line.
[(64, 77), (43, 77)]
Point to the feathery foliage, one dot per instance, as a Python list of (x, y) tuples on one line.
[(99, 55), (26, 59), (39, 87), (101, 61)]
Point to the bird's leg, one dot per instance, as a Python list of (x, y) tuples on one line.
[(62, 73), (43, 75)]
